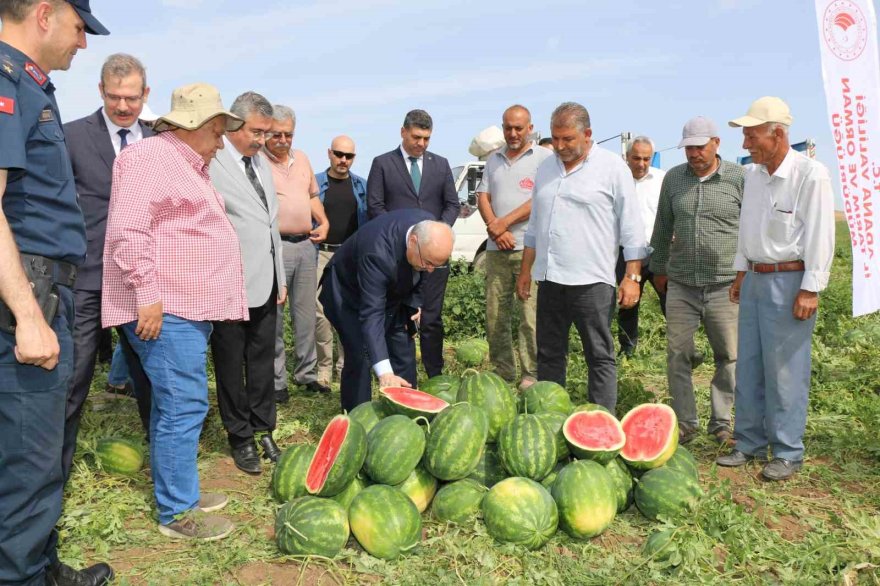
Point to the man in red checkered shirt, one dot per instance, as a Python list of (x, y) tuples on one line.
[(172, 265)]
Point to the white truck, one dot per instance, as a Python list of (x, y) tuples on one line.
[(470, 231)]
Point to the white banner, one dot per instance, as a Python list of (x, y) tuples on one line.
[(851, 71)]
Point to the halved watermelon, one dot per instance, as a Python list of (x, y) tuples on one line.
[(412, 402), (651, 436), (594, 435), (338, 457)]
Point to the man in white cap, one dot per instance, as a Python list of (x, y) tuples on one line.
[(783, 260), (172, 265), (699, 206)]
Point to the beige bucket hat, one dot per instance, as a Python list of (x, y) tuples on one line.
[(762, 111), (193, 105)]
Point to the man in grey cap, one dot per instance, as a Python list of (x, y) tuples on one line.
[(699, 205), (783, 260)]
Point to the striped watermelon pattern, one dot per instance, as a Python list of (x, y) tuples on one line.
[(519, 510), (683, 461), (353, 489), (527, 447), (489, 470), (394, 447), (623, 483), (666, 492), (420, 487), (489, 392), (311, 526), (385, 522), (338, 457), (586, 497), (546, 396), (119, 456), (456, 440), (459, 501), (554, 422), (289, 475), (368, 414)]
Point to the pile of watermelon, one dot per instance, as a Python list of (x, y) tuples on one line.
[(471, 448)]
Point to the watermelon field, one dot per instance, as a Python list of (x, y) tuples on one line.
[(822, 527)]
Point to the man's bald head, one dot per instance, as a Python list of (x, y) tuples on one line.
[(341, 154), (430, 245)]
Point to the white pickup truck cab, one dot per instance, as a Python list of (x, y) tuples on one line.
[(470, 231)]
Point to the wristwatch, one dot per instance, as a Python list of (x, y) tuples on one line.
[(634, 277)]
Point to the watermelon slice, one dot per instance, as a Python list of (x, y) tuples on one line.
[(412, 402), (338, 457), (594, 435), (651, 436)]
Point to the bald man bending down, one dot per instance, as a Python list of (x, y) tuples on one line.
[(371, 293)]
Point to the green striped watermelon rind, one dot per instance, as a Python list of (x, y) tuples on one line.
[(385, 521), (312, 526), (420, 487), (586, 497), (119, 456), (328, 475), (666, 492), (545, 396), (527, 447), (441, 385), (348, 493), (489, 392), (593, 422), (683, 461), (623, 481), (411, 402), (489, 471), (368, 414), (289, 475), (456, 442), (458, 502), (394, 447), (554, 422), (519, 510), (637, 424)]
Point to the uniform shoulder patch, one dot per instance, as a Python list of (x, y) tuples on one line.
[(7, 105), (8, 69), (35, 72)]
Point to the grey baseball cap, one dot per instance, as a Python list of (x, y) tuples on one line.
[(697, 132)]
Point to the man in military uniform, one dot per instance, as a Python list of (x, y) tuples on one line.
[(42, 240)]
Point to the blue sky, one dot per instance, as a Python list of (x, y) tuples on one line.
[(357, 66)]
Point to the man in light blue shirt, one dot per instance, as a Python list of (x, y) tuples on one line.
[(584, 207)]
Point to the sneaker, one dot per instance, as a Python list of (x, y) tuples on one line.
[(197, 525), (781, 469), (736, 458), (525, 383), (212, 501), (58, 574)]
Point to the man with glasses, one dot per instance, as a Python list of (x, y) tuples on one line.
[(372, 294), (303, 224), (94, 142), (344, 197), (243, 351)]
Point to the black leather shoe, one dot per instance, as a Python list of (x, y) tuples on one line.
[(270, 448), (281, 396), (60, 574), (317, 387), (246, 458)]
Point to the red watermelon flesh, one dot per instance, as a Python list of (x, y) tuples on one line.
[(338, 457), (327, 452), (651, 435), (594, 435), (412, 402)]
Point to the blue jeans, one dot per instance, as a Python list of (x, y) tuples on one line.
[(176, 366), (118, 374), (773, 367)]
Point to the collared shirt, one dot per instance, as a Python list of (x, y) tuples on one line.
[(256, 161), (169, 239), (788, 216), (510, 184), (135, 133), (295, 185), (703, 217), (40, 202), (581, 217), (408, 164), (648, 190)]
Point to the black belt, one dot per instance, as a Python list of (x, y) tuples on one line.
[(329, 247), (294, 238), (61, 273)]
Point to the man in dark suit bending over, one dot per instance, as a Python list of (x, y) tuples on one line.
[(412, 177), (372, 294)]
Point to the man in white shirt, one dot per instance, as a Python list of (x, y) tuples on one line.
[(583, 209), (783, 260), (639, 154)]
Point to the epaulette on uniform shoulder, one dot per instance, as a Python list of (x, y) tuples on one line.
[(8, 68)]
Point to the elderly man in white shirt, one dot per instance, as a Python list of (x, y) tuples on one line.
[(639, 154), (784, 254), (583, 209)]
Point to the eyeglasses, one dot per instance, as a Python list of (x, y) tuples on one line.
[(133, 100), (258, 133), (428, 264), (287, 135), (343, 155)]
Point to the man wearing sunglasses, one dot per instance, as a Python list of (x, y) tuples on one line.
[(371, 292), (344, 197)]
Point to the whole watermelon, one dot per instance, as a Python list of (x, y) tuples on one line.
[(459, 501), (548, 480), (489, 470), (353, 489), (385, 521), (683, 461), (519, 510), (470, 353), (660, 545), (289, 476), (456, 441), (311, 526), (119, 456), (546, 396), (666, 492), (338, 457), (527, 447), (554, 421), (586, 497), (420, 487), (489, 392), (623, 483), (443, 386), (368, 414), (394, 447)]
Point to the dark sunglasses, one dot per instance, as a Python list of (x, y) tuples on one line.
[(342, 155)]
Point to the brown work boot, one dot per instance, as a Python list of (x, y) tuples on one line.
[(198, 525)]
